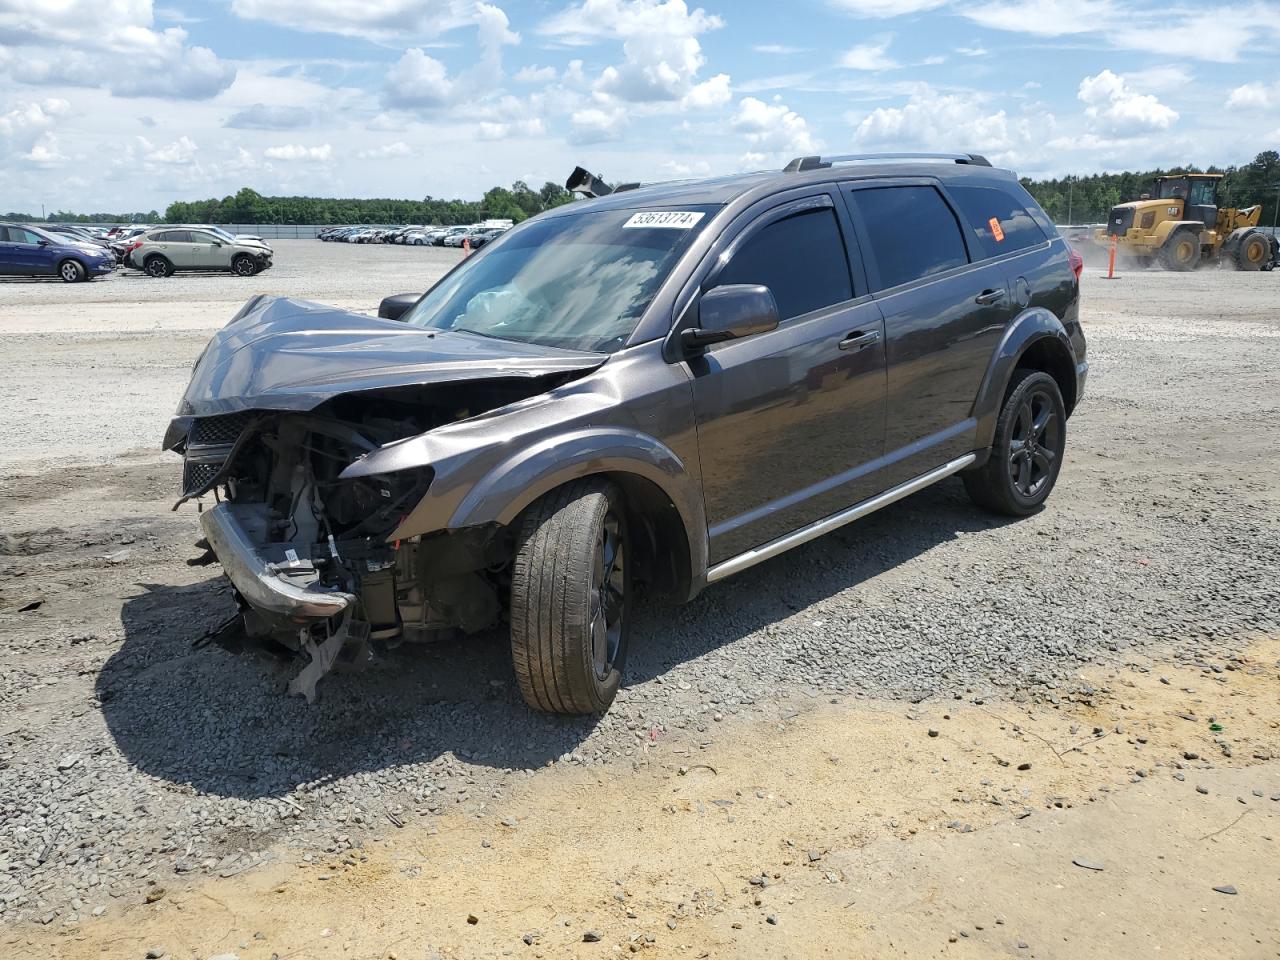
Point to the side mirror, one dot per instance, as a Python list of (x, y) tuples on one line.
[(731, 312), (393, 308), (42, 242)]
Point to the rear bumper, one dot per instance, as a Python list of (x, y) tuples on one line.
[(264, 587)]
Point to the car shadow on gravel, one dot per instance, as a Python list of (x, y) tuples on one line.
[(221, 722)]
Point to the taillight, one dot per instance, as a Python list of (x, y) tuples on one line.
[(137, 243), (1077, 263)]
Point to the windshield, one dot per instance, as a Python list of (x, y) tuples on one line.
[(219, 232), (1172, 189), (580, 282)]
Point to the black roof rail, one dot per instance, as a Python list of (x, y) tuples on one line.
[(801, 164)]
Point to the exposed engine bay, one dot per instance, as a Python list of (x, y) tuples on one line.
[(324, 540)]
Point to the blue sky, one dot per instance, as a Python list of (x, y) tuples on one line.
[(129, 104)]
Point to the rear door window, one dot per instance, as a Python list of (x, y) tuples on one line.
[(174, 236), (1002, 223), (801, 260), (913, 232)]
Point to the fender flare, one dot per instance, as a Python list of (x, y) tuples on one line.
[(1236, 236), (1167, 228), (513, 483), (1030, 327)]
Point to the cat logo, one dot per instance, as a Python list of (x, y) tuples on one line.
[(1173, 211)]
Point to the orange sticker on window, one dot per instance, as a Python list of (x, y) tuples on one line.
[(996, 232)]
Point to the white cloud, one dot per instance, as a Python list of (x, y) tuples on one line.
[(1048, 18), (662, 55), (421, 82), (26, 118), (397, 149), (106, 43), (715, 92), (387, 21), (885, 8), (181, 151), (870, 56), (773, 128), (1198, 34), (778, 49), (44, 152), (296, 152), (417, 81), (934, 121), (494, 130), (1115, 108), (1249, 96), (594, 125), (262, 116), (535, 75), (974, 51)]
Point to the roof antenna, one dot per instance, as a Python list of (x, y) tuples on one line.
[(587, 184)]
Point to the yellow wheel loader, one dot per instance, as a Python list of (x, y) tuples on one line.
[(1182, 225)]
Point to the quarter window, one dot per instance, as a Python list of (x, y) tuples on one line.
[(1001, 222), (801, 260), (913, 232)]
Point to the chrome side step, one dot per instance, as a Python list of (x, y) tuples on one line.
[(816, 529)]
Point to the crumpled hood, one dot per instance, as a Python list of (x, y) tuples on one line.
[(285, 354)]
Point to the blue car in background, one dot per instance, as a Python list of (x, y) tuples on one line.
[(27, 251)]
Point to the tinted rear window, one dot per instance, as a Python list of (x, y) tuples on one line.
[(989, 208), (913, 232), (800, 259)]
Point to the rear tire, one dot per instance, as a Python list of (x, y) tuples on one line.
[(571, 598), (1253, 250), (1026, 455), (71, 271), (242, 265), (1181, 252), (157, 266)]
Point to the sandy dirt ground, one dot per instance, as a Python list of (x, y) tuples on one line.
[(1088, 809), (854, 830)]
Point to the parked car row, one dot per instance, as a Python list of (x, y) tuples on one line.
[(75, 254), (419, 236), (31, 251)]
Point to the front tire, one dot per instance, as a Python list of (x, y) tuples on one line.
[(1181, 252), (242, 265), (1253, 250), (571, 598), (71, 271), (1026, 455)]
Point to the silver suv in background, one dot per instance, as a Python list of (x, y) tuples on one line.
[(161, 251)]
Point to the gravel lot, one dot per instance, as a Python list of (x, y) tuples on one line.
[(134, 757)]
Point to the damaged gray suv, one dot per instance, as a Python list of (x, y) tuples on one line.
[(654, 388)]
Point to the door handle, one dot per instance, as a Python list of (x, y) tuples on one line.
[(860, 340), (987, 297)]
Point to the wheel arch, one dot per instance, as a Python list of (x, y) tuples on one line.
[(84, 267), (664, 499), (1036, 339)]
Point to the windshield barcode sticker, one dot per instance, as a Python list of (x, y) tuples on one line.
[(667, 219)]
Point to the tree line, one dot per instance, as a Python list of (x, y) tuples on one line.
[(1072, 199), (517, 203), (1089, 199)]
